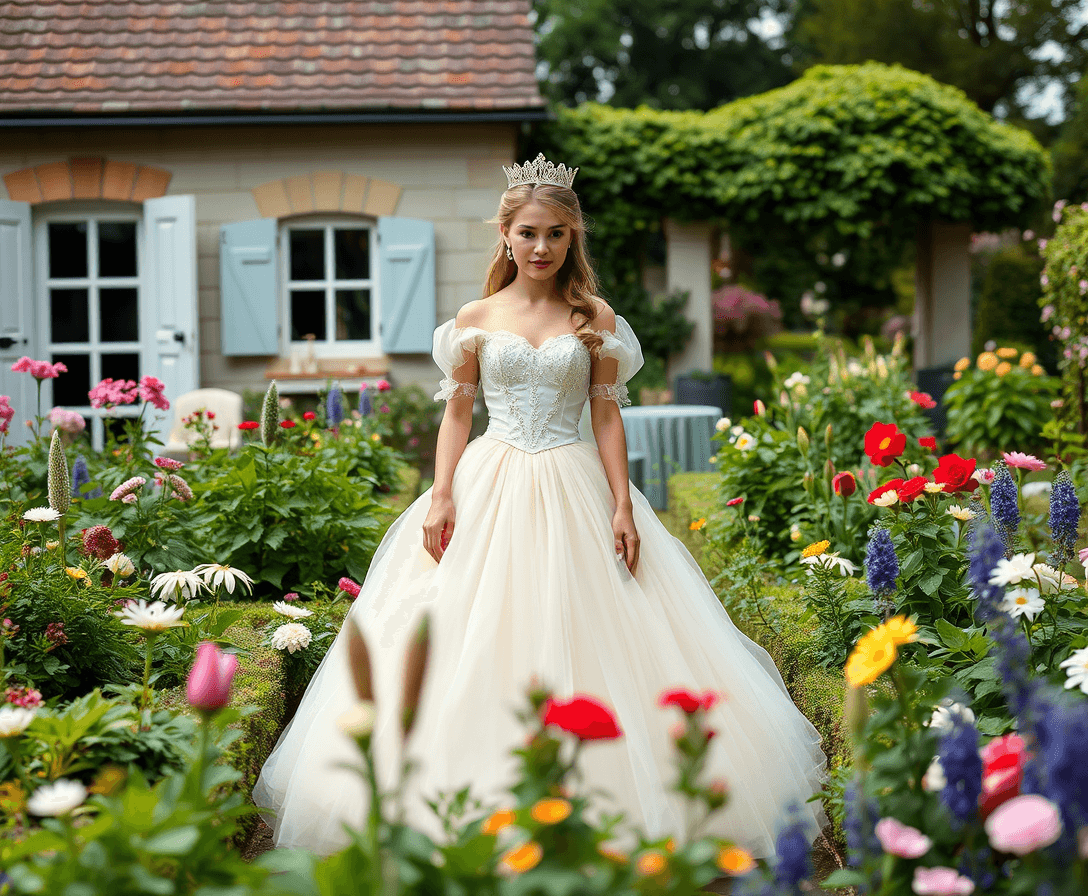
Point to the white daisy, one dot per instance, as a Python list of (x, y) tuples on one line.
[(14, 720), (723, 424), (359, 720), (796, 379), (1014, 571), (1076, 667), (934, 779), (745, 442), (1023, 602), (41, 515), (58, 798), (155, 617), (736, 430), (216, 574), (933, 488), (887, 499), (291, 611), (1051, 580), (963, 514), (831, 561), (291, 636), (177, 585), (120, 565), (947, 712)]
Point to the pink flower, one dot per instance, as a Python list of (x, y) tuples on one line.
[(126, 489), (112, 392), (309, 415), (349, 587), (67, 421), (923, 399), (985, 476), (1083, 555), (151, 390), (208, 687), (290, 596), (759, 408), (181, 488), (941, 882), (128, 499), (1023, 461), (1048, 312), (6, 413), (168, 463), (40, 370), (384, 386), (27, 698), (1024, 824), (384, 409), (902, 840)]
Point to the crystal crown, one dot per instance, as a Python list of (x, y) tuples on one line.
[(540, 171)]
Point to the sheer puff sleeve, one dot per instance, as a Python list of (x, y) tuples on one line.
[(451, 347), (623, 346)]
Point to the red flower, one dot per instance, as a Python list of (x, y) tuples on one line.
[(309, 415), (845, 484), (759, 408), (248, 424), (883, 443), (954, 473), (349, 587), (584, 717), (892, 485), (923, 399), (287, 424), (687, 701), (929, 442), (1002, 771), (912, 488), (733, 502)]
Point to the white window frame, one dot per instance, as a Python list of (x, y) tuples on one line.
[(70, 212), (330, 347)]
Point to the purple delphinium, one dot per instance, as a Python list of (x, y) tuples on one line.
[(1064, 519), (365, 407), (962, 766), (859, 825), (1004, 509), (793, 850), (334, 408), (881, 564), (80, 477)]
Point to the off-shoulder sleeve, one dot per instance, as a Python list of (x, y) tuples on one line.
[(624, 347), (450, 349)]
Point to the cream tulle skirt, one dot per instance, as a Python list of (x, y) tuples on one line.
[(530, 585)]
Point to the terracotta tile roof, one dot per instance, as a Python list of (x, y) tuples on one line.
[(96, 56)]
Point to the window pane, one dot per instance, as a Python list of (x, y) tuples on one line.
[(117, 248), (352, 249), (307, 314), (117, 315), (68, 315), (68, 249), (70, 389), (123, 366), (307, 254), (353, 314)]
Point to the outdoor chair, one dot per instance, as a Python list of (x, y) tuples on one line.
[(227, 407)]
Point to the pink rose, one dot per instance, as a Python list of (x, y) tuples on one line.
[(349, 587), (941, 882), (902, 840), (384, 386), (208, 687), (1024, 824)]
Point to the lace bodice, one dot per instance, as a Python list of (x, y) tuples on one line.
[(534, 395)]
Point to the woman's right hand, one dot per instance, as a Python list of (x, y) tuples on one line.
[(439, 520)]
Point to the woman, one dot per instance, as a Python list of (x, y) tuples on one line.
[(535, 557)]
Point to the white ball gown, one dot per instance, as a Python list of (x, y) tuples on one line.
[(530, 585)]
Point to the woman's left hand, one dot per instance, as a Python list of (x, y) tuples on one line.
[(626, 537)]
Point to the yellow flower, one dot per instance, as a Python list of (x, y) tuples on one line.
[(1037, 369), (108, 781), (1006, 352), (872, 657), (962, 364), (670, 845), (522, 858), (52, 545), (901, 630), (12, 798), (1027, 360), (713, 459), (498, 820), (550, 811), (1003, 368), (375, 437), (986, 361), (735, 861), (76, 573), (651, 862), (697, 524), (815, 550)]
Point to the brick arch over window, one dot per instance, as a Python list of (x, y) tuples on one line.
[(87, 178), (326, 191)]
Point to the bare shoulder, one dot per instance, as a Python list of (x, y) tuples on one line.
[(472, 314), (606, 317)]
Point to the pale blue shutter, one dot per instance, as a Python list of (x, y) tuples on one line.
[(18, 333), (248, 287), (407, 284)]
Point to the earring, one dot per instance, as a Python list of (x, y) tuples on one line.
[(509, 252)]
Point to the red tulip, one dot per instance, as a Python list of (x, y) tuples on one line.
[(929, 442), (845, 484), (912, 488), (584, 717), (686, 701), (208, 688), (759, 408)]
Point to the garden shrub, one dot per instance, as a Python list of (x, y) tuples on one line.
[(1008, 303)]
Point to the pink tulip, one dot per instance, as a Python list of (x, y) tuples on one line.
[(208, 687), (901, 840), (1024, 824), (941, 882), (759, 408)]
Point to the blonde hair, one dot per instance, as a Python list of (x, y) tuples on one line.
[(576, 281)]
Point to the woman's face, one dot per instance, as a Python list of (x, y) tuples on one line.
[(538, 240)]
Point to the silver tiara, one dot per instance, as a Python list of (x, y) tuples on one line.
[(540, 171)]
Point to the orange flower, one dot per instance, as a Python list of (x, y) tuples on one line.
[(498, 820), (697, 524), (651, 863), (613, 854), (670, 845), (550, 811), (735, 861), (522, 858)]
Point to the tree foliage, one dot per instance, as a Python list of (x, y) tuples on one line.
[(670, 54), (989, 49), (1070, 151)]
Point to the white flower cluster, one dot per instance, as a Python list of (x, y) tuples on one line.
[(155, 617), (1026, 582), (187, 584), (291, 636)]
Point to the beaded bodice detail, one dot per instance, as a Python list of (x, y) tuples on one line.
[(534, 395)]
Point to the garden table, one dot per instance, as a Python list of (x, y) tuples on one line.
[(674, 438)]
